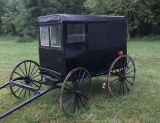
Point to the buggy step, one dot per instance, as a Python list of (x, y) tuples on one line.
[(27, 87), (50, 73)]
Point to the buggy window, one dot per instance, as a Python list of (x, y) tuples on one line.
[(55, 32), (76, 33), (44, 36), (50, 35)]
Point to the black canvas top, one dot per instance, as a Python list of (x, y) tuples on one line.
[(70, 18)]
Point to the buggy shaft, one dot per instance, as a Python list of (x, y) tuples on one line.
[(26, 102), (3, 86)]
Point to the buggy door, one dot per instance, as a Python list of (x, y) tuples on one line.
[(51, 51)]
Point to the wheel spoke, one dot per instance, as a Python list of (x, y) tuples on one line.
[(120, 87), (29, 93), (32, 70), (128, 68), (129, 82), (126, 85), (70, 102), (34, 84), (36, 76), (129, 72), (25, 93), (82, 79), (73, 83), (29, 68), (25, 68), (68, 97), (115, 80), (130, 77), (21, 92), (69, 87), (17, 90), (123, 87), (22, 71), (34, 73), (128, 61), (72, 105), (81, 101), (77, 102), (19, 74), (84, 96)]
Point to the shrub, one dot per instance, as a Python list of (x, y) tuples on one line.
[(25, 39)]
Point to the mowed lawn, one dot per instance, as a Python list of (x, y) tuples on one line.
[(141, 105)]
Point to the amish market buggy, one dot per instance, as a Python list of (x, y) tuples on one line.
[(72, 50)]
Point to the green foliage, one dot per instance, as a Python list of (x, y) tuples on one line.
[(25, 39), (2, 11), (142, 16), (20, 16), (71, 7)]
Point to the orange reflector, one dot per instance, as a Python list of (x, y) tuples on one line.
[(120, 53)]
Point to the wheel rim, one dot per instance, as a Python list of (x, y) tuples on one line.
[(75, 91), (25, 73), (121, 76)]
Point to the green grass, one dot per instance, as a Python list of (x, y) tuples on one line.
[(141, 105)]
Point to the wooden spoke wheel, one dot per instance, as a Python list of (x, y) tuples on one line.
[(75, 91), (121, 75), (26, 72)]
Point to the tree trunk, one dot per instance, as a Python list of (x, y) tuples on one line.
[(128, 34), (0, 26)]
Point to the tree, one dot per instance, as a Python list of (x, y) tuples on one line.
[(2, 11), (71, 6), (14, 8), (140, 17)]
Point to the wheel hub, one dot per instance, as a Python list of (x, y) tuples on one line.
[(27, 80), (78, 90), (122, 77)]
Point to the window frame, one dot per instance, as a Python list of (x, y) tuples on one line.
[(85, 33), (60, 36), (49, 36)]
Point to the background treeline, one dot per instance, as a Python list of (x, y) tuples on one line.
[(18, 17)]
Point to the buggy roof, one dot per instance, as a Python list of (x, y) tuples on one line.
[(77, 18)]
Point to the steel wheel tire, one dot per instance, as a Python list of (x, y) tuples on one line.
[(121, 75), (75, 91), (25, 73)]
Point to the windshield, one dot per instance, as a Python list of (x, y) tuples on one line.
[(50, 35)]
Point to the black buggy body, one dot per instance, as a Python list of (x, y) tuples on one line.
[(88, 41), (73, 49)]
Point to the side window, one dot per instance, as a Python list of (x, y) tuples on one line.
[(44, 36), (55, 33), (76, 33), (50, 35)]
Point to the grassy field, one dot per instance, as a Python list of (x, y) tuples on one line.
[(141, 105)]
